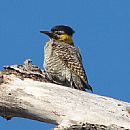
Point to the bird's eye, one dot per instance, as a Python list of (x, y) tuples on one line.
[(59, 32)]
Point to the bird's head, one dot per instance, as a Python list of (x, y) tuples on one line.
[(61, 33)]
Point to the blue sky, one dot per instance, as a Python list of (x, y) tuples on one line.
[(102, 33)]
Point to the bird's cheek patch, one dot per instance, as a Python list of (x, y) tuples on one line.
[(66, 38)]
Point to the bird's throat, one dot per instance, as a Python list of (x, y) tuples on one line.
[(66, 38)]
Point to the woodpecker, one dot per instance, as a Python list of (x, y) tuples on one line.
[(62, 60)]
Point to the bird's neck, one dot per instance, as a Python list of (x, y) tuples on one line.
[(67, 39)]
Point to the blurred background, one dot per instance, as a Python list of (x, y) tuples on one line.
[(102, 34)]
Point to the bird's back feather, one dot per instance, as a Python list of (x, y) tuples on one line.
[(72, 59)]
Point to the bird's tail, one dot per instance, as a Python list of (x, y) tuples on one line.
[(87, 86), (81, 85), (90, 88)]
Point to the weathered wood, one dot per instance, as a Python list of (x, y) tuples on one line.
[(88, 126), (25, 92)]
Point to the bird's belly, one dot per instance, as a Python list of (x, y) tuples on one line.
[(57, 68), (54, 66)]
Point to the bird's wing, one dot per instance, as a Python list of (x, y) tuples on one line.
[(71, 57)]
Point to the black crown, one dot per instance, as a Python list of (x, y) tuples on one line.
[(68, 30)]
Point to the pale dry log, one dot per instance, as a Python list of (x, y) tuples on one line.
[(25, 92)]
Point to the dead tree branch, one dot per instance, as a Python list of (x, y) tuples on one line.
[(25, 92)]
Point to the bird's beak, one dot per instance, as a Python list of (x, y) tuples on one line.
[(49, 33)]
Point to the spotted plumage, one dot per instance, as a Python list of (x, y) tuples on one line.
[(62, 61)]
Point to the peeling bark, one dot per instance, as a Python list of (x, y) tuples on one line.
[(25, 92)]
